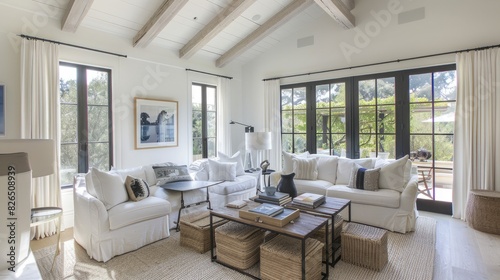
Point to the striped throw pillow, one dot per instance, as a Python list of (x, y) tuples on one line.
[(305, 168), (364, 179)]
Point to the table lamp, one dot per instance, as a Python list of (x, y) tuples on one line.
[(258, 141), (20, 161)]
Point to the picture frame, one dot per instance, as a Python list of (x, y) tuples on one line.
[(156, 123), (2, 110)]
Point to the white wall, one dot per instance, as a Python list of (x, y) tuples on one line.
[(448, 25)]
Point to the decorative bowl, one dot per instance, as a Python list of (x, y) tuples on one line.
[(270, 190)]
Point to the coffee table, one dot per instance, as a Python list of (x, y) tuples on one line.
[(301, 228), (185, 186), (330, 208)]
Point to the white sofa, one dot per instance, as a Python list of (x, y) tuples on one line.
[(392, 206), (113, 225)]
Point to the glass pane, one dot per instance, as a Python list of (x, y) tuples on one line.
[(367, 144), (366, 92), (99, 156), (322, 96), (197, 148), (337, 95), (211, 99), (98, 123), (197, 124), (386, 119), (97, 87), (445, 150), (196, 97), (323, 143), (387, 146), (211, 147), (67, 84), (299, 98), (299, 121), (322, 120), (69, 123), (286, 99), (338, 120), (445, 85), (69, 163), (367, 119), (420, 87), (300, 143), (211, 124), (287, 143), (386, 89), (286, 121), (420, 142), (420, 118), (338, 144), (444, 121)]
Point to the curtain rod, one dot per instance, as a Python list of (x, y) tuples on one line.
[(69, 45), (383, 62), (230, 78)]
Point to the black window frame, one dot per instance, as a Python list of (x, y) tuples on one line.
[(204, 110)]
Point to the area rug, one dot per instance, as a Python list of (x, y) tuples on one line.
[(411, 256)]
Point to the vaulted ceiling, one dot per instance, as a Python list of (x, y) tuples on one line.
[(223, 30)]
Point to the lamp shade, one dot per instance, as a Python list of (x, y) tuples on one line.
[(41, 153), (255, 141)]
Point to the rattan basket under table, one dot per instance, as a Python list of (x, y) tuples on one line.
[(365, 246), (238, 244), (320, 236), (195, 230)]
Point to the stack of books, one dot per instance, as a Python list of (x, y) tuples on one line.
[(267, 209), (278, 198), (309, 200)]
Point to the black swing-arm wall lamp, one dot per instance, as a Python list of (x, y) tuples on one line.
[(248, 128)]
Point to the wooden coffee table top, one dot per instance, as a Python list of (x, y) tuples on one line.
[(332, 206), (302, 227)]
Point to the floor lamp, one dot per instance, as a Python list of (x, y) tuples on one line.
[(20, 161), (258, 141)]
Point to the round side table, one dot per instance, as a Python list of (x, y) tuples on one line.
[(44, 215), (483, 211)]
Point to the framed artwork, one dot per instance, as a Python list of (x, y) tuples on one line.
[(155, 123), (2, 110)]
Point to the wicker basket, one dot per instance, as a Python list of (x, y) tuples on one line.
[(364, 246), (320, 235), (483, 211), (195, 230), (238, 244), (281, 258)]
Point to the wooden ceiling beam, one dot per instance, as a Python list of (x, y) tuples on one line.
[(214, 27), (76, 12), (339, 10), (264, 30), (161, 17)]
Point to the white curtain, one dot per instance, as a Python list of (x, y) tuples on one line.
[(40, 116), (476, 161), (272, 119), (224, 115)]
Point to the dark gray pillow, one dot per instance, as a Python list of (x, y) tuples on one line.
[(364, 179), (167, 174)]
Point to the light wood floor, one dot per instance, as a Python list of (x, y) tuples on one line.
[(461, 252)]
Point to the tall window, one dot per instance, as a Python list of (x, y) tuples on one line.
[(385, 115), (86, 131), (204, 100)]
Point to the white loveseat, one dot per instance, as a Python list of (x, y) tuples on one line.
[(107, 223), (392, 206)]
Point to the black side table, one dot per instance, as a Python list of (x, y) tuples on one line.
[(268, 174)]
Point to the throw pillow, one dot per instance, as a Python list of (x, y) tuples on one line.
[(288, 161), (345, 166), (327, 168), (305, 168), (364, 179), (395, 175), (234, 158), (221, 171), (200, 169), (109, 188), (167, 174), (137, 188), (286, 185)]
